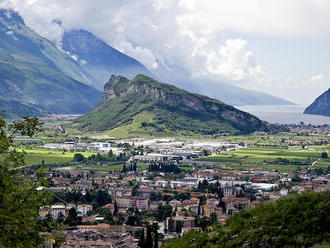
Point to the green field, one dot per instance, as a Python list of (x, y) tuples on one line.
[(287, 160), (107, 167), (35, 156)]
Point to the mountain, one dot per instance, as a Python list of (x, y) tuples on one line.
[(298, 220), (227, 93), (145, 106), (231, 94), (321, 106), (15, 110), (102, 60), (98, 58), (34, 71)]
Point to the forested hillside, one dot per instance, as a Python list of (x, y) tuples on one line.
[(292, 221)]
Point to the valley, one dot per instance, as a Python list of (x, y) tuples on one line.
[(119, 128)]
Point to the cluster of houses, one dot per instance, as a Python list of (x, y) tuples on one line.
[(264, 185), (146, 192)]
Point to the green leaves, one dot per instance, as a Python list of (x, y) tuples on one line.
[(19, 199), (293, 221), (29, 126)]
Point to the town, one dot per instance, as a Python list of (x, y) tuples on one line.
[(140, 192)]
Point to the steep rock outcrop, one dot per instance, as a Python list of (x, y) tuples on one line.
[(321, 106), (174, 109)]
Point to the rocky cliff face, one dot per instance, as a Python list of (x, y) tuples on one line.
[(110, 87), (321, 106)]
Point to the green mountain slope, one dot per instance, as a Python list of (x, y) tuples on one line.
[(15, 110), (145, 106), (34, 71), (293, 221)]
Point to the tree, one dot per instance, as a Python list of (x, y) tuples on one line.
[(60, 217), (178, 227), (259, 227), (149, 238), (102, 198), (134, 220), (106, 213), (78, 157), (324, 155), (213, 218), (142, 242), (170, 225), (19, 199), (135, 189), (110, 154), (204, 222), (115, 208), (205, 152), (124, 168), (155, 229), (163, 211), (73, 219)]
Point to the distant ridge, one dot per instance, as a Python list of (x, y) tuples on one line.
[(16, 110)]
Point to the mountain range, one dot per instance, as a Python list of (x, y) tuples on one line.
[(37, 77), (145, 106), (321, 105), (35, 72), (98, 58), (101, 60)]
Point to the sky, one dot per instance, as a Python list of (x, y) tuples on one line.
[(281, 47)]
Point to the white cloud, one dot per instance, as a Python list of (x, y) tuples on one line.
[(275, 18), (232, 61), (187, 33), (145, 56), (317, 78)]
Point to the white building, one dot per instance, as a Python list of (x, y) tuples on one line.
[(56, 210), (151, 157), (178, 184), (83, 209), (99, 147)]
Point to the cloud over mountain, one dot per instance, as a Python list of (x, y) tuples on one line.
[(186, 33)]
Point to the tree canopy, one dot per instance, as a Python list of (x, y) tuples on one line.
[(292, 221), (19, 198)]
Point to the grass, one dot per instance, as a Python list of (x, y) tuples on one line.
[(285, 160), (324, 163), (35, 156), (110, 166), (132, 129)]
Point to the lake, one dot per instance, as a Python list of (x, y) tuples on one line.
[(284, 114)]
